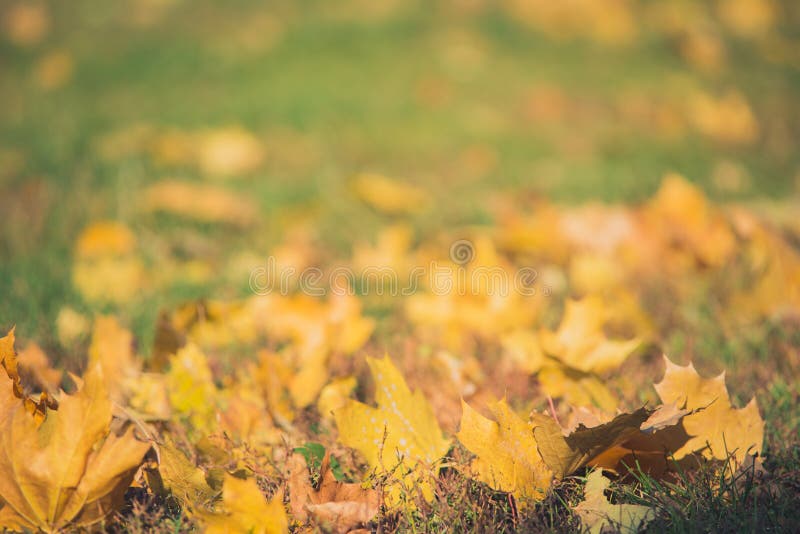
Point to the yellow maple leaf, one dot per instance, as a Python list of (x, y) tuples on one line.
[(245, 511), (716, 429), (599, 515), (112, 349), (106, 269), (200, 202), (400, 436), (178, 476), (191, 390), (575, 387), (580, 342), (70, 469), (387, 195), (508, 458), (231, 151)]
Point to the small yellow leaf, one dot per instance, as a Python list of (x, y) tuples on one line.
[(389, 196), (599, 515), (580, 342), (245, 511)]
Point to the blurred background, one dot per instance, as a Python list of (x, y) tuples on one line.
[(211, 132)]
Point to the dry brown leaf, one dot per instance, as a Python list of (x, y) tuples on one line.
[(564, 454), (337, 506)]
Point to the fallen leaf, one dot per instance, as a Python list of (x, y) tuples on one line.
[(245, 511), (69, 470), (199, 202), (716, 428), (401, 436), (599, 515), (337, 506), (231, 151), (508, 457), (178, 476), (564, 454), (580, 342), (389, 196)]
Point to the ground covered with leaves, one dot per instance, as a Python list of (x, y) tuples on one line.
[(399, 266)]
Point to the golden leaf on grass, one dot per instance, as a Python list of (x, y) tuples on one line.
[(335, 395), (337, 506), (199, 202), (508, 458), (178, 476), (716, 429), (54, 70), (575, 387), (599, 515), (389, 196), (580, 342), (25, 23), (191, 389), (245, 511), (71, 326), (728, 119), (229, 152), (106, 269), (71, 469), (112, 349), (400, 436)]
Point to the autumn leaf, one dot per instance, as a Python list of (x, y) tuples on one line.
[(387, 195), (191, 389), (508, 457), (199, 202), (566, 453), (400, 436), (716, 429), (245, 511), (70, 469), (178, 476), (10, 363), (599, 515), (337, 506), (112, 349), (580, 342), (106, 268)]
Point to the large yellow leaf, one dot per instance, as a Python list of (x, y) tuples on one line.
[(245, 511), (508, 458), (400, 436), (716, 429), (70, 469)]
